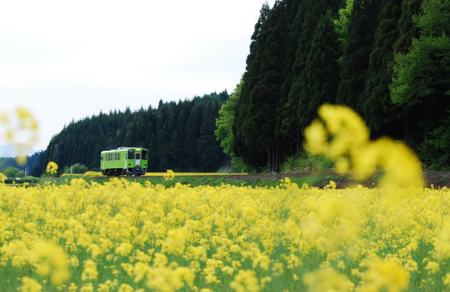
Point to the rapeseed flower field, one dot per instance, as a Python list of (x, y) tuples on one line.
[(124, 236)]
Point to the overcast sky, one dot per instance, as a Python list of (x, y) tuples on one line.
[(65, 60)]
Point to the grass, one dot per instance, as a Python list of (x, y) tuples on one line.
[(203, 180)]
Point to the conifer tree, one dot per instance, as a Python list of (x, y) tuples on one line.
[(381, 115), (254, 125), (355, 60), (320, 77)]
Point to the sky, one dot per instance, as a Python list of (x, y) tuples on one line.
[(67, 60)]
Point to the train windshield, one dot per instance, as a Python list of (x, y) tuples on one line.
[(131, 154), (144, 154)]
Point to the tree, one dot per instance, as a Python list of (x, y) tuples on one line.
[(254, 124), (11, 172), (341, 25), (381, 115), (224, 126), (162, 130), (320, 77), (288, 132), (78, 168), (424, 72), (355, 60), (422, 79)]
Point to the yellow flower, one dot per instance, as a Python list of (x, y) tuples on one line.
[(124, 249), (89, 271), (327, 279), (342, 136), (2, 178), (52, 167), (30, 285), (51, 260), (245, 281), (125, 288), (446, 279), (433, 267), (315, 136), (21, 130), (169, 175), (385, 273), (88, 287)]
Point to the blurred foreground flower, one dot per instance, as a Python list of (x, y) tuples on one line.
[(341, 135), (20, 130)]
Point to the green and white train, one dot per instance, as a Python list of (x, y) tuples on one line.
[(124, 161)]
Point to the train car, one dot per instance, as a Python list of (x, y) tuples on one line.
[(124, 161)]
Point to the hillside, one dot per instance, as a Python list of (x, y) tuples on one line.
[(179, 136)]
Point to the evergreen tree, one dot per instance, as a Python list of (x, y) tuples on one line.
[(381, 115), (163, 131), (320, 77), (355, 60), (288, 125), (207, 153), (254, 125)]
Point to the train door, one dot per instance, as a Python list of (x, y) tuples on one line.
[(137, 161)]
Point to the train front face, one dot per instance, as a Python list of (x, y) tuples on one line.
[(137, 161)]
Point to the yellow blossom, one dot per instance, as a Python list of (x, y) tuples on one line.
[(52, 167), (51, 260), (2, 178), (30, 285), (327, 279), (342, 136), (385, 273), (88, 287), (90, 270), (245, 281)]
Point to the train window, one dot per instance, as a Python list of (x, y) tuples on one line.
[(117, 156), (138, 155), (131, 154)]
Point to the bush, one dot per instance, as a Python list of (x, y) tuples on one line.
[(77, 168), (307, 163), (11, 172)]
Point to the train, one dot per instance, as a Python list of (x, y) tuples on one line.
[(124, 161)]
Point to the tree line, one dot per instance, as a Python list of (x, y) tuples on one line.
[(389, 60), (10, 167), (178, 135)]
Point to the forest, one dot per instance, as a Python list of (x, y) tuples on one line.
[(389, 60), (179, 136)]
